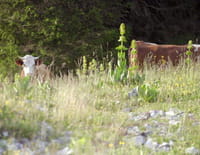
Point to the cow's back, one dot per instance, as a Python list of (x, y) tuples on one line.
[(43, 72), (156, 53)]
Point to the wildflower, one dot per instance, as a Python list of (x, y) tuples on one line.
[(121, 143), (176, 84), (185, 92), (180, 78), (7, 103), (110, 145)]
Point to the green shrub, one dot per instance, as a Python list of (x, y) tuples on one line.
[(148, 93), (8, 54)]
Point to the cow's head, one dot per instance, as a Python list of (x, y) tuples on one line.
[(28, 62)]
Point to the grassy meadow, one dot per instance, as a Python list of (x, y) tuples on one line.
[(92, 105)]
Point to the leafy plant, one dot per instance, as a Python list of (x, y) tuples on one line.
[(22, 86), (137, 78), (92, 66), (133, 57), (188, 52), (147, 92), (133, 76), (120, 72)]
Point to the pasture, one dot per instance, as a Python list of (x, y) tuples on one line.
[(96, 111), (87, 89)]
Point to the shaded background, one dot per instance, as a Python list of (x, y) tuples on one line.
[(65, 30), (165, 21)]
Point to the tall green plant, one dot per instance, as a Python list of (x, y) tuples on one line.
[(133, 59), (133, 75), (120, 72), (189, 52)]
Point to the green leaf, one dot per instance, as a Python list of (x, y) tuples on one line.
[(122, 39), (121, 47)]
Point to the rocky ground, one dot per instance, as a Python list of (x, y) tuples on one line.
[(158, 124), (38, 145), (144, 130)]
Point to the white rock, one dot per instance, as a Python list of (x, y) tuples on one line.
[(170, 113), (5, 133), (12, 147), (192, 150), (1, 150), (133, 93), (127, 110), (156, 113), (65, 151), (174, 122), (26, 151), (140, 140), (151, 144), (46, 130), (164, 147), (133, 130)]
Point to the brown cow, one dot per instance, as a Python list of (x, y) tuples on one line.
[(161, 54), (33, 67)]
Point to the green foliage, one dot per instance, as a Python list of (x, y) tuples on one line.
[(92, 66), (20, 127), (189, 52), (122, 39), (148, 93), (189, 47), (120, 71), (120, 74), (64, 30), (136, 78), (121, 47), (8, 54), (92, 107), (22, 86), (133, 46), (133, 61), (122, 31), (84, 65), (68, 30), (81, 142)]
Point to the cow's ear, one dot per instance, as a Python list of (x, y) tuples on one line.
[(38, 62), (19, 62)]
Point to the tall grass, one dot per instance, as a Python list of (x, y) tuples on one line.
[(92, 106)]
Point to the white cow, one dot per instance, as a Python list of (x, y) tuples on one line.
[(33, 67)]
